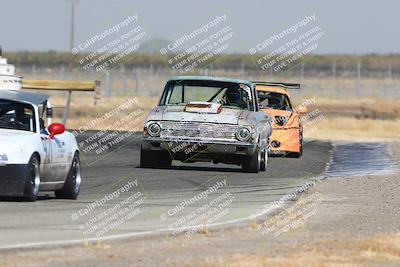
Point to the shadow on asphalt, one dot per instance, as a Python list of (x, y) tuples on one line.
[(198, 168), (22, 199)]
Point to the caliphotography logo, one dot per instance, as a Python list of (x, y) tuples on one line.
[(199, 47)]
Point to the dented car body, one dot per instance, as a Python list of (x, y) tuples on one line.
[(207, 119)]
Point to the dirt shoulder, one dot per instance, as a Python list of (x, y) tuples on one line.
[(343, 221)]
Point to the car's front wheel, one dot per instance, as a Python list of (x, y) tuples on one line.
[(154, 159), (72, 184), (252, 163), (264, 160), (300, 153), (33, 180)]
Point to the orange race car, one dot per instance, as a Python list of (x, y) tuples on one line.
[(287, 129)]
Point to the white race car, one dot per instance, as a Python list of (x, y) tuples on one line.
[(34, 158)]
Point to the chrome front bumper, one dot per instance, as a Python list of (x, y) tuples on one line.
[(188, 146)]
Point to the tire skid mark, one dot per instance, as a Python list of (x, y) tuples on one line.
[(357, 159)]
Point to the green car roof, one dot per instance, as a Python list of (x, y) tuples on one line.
[(208, 78)]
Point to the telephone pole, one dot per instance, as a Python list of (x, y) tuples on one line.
[(72, 32), (358, 82)]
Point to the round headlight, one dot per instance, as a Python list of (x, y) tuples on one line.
[(154, 129), (243, 134)]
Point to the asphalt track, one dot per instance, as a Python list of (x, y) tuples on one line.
[(170, 197)]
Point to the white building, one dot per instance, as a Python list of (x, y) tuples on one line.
[(8, 79)]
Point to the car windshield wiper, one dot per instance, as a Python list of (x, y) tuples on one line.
[(216, 94), (233, 107), (176, 104)]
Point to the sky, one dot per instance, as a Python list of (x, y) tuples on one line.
[(349, 27)]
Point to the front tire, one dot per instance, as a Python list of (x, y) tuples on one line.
[(33, 180), (164, 160), (300, 153), (264, 160), (72, 184), (252, 163), (154, 159)]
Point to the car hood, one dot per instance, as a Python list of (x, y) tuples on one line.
[(178, 113), (291, 117)]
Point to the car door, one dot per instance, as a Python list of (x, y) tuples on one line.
[(49, 167), (60, 157), (56, 164)]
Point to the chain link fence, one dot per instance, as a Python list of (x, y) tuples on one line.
[(358, 82)]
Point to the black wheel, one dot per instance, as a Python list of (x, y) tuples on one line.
[(154, 159), (301, 147), (33, 180), (72, 184), (252, 163), (164, 159), (264, 160), (146, 159)]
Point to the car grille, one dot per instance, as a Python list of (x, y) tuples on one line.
[(197, 130)]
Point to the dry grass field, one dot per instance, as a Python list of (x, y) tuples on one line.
[(370, 119), (371, 251)]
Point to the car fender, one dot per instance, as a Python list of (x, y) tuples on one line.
[(71, 144)]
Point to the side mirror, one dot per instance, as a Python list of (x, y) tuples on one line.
[(56, 128), (301, 110)]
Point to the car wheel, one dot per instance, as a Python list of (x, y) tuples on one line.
[(33, 180), (72, 184), (301, 146), (252, 163), (264, 160), (164, 159), (154, 159), (147, 159), (297, 154)]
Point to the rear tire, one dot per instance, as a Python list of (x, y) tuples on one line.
[(252, 163), (72, 184), (33, 180)]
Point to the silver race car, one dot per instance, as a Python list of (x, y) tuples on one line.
[(207, 119)]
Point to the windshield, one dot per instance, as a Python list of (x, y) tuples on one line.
[(230, 95), (16, 116), (273, 100)]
